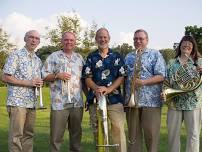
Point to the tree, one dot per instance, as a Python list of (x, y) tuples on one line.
[(65, 23), (88, 41), (123, 49), (3, 56), (196, 32), (45, 51), (167, 54), (4, 44)]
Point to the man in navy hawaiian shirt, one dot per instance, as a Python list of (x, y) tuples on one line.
[(104, 73)]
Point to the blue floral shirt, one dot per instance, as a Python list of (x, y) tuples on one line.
[(152, 63), (104, 71), (59, 62), (186, 101), (24, 66)]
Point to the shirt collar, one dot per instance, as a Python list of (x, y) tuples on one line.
[(29, 54)]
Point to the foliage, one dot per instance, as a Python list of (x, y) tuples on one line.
[(88, 41), (5, 45), (196, 32), (123, 49), (65, 24), (3, 56), (167, 54), (44, 51)]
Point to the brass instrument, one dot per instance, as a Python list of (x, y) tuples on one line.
[(187, 78), (66, 86), (103, 130), (38, 93), (135, 90)]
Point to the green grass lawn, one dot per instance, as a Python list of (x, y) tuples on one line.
[(42, 127)]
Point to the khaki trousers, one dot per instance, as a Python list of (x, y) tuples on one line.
[(21, 129), (192, 120), (143, 121), (116, 116), (59, 121)]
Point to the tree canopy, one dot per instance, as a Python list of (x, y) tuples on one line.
[(196, 32)]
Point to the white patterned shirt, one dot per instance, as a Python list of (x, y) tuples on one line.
[(22, 65), (59, 62)]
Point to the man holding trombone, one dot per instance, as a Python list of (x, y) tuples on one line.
[(146, 67), (63, 69), (22, 72), (104, 73)]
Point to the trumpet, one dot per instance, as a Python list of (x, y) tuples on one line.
[(38, 93), (103, 131), (66, 87)]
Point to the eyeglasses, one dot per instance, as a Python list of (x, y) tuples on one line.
[(33, 37), (138, 38)]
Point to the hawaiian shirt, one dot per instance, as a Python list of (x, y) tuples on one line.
[(104, 71), (22, 65), (152, 63), (59, 62), (186, 101)]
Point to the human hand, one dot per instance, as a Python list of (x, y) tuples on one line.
[(103, 90), (36, 82), (64, 76), (199, 69), (138, 83), (163, 96)]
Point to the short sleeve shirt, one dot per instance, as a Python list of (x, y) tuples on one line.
[(152, 64), (22, 65), (59, 62), (186, 101), (104, 71)]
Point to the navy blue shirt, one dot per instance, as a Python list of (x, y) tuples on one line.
[(104, 71)]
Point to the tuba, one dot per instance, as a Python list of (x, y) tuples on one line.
[(103, 130), (187, 79), (134, 91)]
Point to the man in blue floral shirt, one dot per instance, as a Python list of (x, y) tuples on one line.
[(104, 73), (146, 117), (22, 72)]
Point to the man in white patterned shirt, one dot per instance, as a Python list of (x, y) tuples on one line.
[(63, 70), (22, 72)]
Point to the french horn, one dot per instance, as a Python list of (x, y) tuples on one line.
[(187, 79)]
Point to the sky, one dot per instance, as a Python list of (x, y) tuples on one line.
[(164, 20)]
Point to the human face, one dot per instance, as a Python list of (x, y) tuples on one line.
[(140, 40), (32, 40), (68, 42), (186, 48), (102, 39)]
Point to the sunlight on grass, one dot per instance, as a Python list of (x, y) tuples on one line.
[(42, 128)]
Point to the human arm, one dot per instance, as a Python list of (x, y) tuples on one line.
[(7, 78)]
